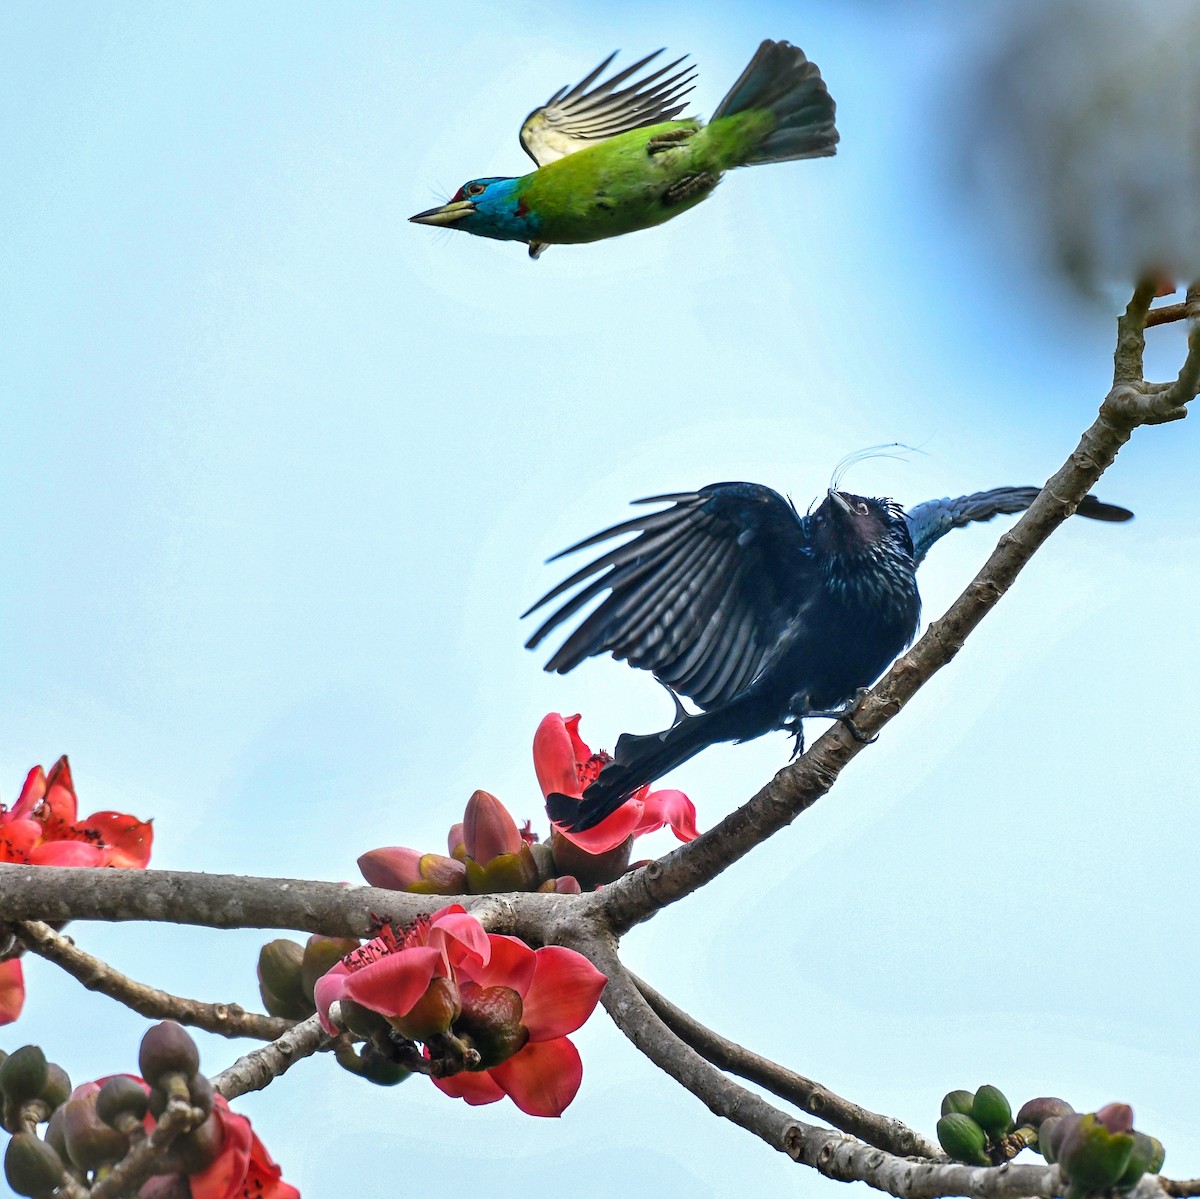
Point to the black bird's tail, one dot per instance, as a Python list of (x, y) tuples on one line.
[(781, 81), (641, 758), (929, 522)]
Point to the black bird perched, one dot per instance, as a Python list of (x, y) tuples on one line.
[(760, 615)]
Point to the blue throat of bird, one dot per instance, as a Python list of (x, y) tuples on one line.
[(486, 208)]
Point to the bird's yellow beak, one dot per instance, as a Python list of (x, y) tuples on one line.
[(447, 214)]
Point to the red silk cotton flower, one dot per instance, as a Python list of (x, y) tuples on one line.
[(43, 829), (565, 766), (466, 992)]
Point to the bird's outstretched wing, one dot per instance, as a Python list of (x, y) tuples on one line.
[(574, 117), (932, 520), (700, 597)]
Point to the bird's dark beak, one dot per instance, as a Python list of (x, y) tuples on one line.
[(841, 502), (447, 214)]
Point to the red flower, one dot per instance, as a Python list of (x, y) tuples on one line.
[(558, 989), (42, 829), (243, 1168), (565, 766), (395, 975)]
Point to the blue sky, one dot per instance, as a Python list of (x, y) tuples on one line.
[(280, 471)]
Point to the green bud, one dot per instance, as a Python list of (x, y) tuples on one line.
[(962, 1139), (201, 1093), (1050, 1134), (991, 1111), (1091, 1156), (1145, 1149), (279, 980), (320, 956), (958, 1101), (24, 1075), (1035, 1111), (58, 1086), (432, 1014), (505, 872), (167, 1049), (1160, 1156), (362, 1021), (31, 1166)]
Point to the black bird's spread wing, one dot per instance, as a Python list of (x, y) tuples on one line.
[(574, 118), (700, 597), (932, 520)]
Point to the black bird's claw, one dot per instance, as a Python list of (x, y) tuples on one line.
[(857, 733), (845, 714)]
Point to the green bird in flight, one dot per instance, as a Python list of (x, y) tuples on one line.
[(610, 160)]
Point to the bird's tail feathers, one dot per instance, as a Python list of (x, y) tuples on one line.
[(637, 759), (781, 80)]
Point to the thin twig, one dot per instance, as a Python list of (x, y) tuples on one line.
[(140, 1162), (226, 1019), (256, 1069), (883, 1132)]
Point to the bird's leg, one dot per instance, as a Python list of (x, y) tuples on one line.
[(844, 714), (669, 140), (681, 713), (795, 726)]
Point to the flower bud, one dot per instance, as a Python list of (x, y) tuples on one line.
[(58, 1086), (432, 1014), (454, 842), (1147, 1155), (165, 1186), (279, 980), (90, 1142), (504, 872), (591, 869), (962, 1139), (393, 867), (491, 1022), (565, 884), (488, 829), (24, 1075), (31, 1166), (1034, 1111), (121, 1099), (369, 1063), (361, 1021), (1090, 1153), (167, 1049), (321, 954), (958, 1101), (198, 1149), (201, 1093), (990, 1109)]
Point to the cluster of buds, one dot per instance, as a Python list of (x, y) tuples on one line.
[(211, 1152), (1099, 1151)]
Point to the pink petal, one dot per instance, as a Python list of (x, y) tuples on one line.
[(12, 990), (68, 853), (511, 964), (454, 839), (31, 793), (392, 984), (542, 1079), (225, 1176), (610, 832), (453, 924), (554, 756), (578, 745), (394, 867), (60, 792), (565, 990), (18, 839), (475, 1088), (668, 807)]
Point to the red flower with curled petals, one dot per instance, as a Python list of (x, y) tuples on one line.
[(243, 1168), (558, 989), (43, 829), (566, 766)]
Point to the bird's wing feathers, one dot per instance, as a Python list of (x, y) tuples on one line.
[(700, 597), (574, 117), (932, 520)]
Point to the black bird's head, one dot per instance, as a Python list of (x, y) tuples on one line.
[(852, 528)]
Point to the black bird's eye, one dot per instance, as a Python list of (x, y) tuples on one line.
[(860, 508), (475, 189)]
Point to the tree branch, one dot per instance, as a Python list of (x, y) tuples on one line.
[(226, 1019), (259, 1067), (883, 1132), (1131, 402)]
